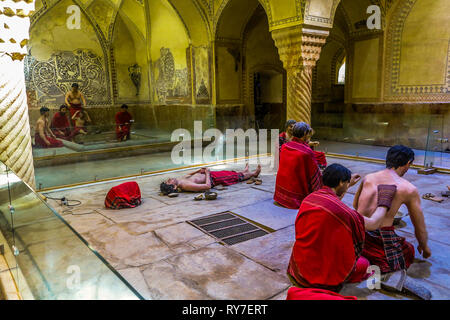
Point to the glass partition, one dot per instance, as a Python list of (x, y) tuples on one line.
[(368, 131), (434, 151), (359, 133), (173, 143), (49, 259)]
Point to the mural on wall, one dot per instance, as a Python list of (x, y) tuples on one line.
[(201, 73), (48, 81), (171, 83), (135, 75)]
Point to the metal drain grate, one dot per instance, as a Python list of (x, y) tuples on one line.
[(228, 228)]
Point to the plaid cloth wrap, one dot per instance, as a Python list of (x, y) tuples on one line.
[(225, 178), (125, 195), (383, 247)]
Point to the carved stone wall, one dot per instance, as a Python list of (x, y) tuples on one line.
[(49, 80)]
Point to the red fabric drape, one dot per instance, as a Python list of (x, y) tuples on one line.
[(320, 158), (40, 143), (225, 178), (123, 124), (298, 174), (329, 238), (72, 109), (295, 293), (60, 122), (125, 195)]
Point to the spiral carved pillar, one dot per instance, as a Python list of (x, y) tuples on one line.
[(299, 49), (15, 140)]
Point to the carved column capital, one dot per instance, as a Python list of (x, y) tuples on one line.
[(299, 47)]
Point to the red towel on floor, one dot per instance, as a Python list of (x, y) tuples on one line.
[(125, 195), (315, 294), (298, 174)]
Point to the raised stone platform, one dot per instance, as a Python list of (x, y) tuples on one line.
[(164, 257)]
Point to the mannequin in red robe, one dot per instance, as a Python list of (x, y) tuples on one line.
[(298, 173), (60, 125), (329, 236), (123, 123)]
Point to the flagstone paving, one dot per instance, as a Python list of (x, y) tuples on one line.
[(164, 257)]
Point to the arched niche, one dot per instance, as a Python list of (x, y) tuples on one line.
[(264, 78), (418, 52), (169, 42), (129, 57), (60, 56)]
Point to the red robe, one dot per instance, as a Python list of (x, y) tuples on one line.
[(60, 122), (123, 125), (298, 174), (329, 238), (40, 143), (320, 156)]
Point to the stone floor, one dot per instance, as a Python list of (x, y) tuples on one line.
[(164, 257)]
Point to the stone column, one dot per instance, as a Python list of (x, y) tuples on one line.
[(299, 49), (15, 139)]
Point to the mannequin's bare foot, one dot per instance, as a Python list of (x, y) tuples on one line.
[(257, 171)]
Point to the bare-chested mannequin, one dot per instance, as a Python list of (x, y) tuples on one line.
[(200, 180), (44, 137), (43, 127), (75, 97), (75, 100), (398, 161)]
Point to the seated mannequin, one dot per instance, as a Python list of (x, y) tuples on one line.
[(329, 236), (378, 242), (80, 119), (298, 172), (44, 137)]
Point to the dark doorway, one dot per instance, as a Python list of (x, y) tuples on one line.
[(268, 99)]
